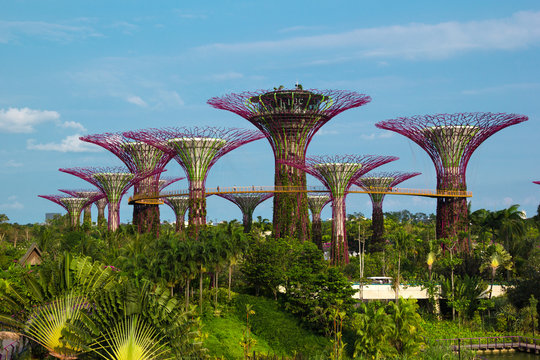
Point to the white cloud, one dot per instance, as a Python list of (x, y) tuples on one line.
[(373, 136), (231, 75), (73, 125), (186, 15), (12, 30), (412, 41), (507, 201), (166, 98), (326, 132), (12, 163), (23, 120), (69, 144), (12, 204), (137, 101)]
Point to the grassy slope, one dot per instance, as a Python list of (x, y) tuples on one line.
[(276, 331)]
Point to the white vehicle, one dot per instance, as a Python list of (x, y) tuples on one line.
[(380, 280)]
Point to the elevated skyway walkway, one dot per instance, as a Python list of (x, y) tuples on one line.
[(154, 197)]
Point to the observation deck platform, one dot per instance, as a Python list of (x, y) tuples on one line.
[(144, 198)]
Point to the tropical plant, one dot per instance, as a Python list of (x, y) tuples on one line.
[(372, 326), (494, 257)]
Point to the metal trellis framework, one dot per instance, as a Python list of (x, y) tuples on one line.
[(114, 182), (247, 204), (289, 119), (450, 140), (381, 180), (179, 204), (87, 211), (316, 202), (73, 205), (196, 150), (338, 173)]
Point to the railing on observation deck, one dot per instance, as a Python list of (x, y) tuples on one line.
[(520, 343), (311, 189)]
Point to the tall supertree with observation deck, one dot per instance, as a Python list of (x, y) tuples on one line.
[(73, 205), (114, 182), (196, 150), (381, 182), (338, 173), (289, 119), (91, 194), (138, 157), (247, 202), (316, 202), (450, 140)]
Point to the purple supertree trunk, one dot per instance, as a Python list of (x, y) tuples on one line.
[(247, 203), (316, 203), (138, 158), (338, 173), (179, 204), (101, 204), (289, 119), (379, 183), (450, 140), (114, 183), (196, 150)]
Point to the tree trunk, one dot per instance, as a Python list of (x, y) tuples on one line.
[(230, 280)]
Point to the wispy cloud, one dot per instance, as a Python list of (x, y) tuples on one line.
[(12, 163), (137, 101), (187, 15), (374, 136), (231, 75), (412, 41), (24, 120), (12, 204), (299, 28), (73, 125), (125, 27), (13, 30), (69, 144)]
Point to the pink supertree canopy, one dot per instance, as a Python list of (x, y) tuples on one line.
[(196, 150), (247, 203), (381, 181), (289, 119), (114, 182), (338, 173), (450, 140)]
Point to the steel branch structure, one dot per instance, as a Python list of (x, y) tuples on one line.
[(247, 204), (338, 173), (138, 158), (450, 140), (73, 205), (91, 194), (536, 182), (289, 119), (316, 202), (179, 204), (114, 182), (163, 182), (380, 180), (196, 150)]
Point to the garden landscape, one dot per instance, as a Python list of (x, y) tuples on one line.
[(155, 231)]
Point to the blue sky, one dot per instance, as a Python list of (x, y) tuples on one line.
[(69, 68)]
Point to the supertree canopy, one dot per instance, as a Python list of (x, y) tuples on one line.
[(101, 204), (179, 204), (163, 182), (380, 182), (450, 140), (289, 119), (247, 203), (87, 213), (338, 173), (196, 150), (138, 158), (114, 182), (536, 182), (316, 202), (73, 205)]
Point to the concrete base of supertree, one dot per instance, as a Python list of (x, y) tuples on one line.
[(146, 218), (291, 216)]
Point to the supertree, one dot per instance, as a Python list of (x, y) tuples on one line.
[(316, 202), (536, 182), (179, 204), (138, 157), (379, 183), (101, 204), (247, 203), (196, 150), (338, 173), (163, 182), (289, 119), (73, 205), (450, 140), (114, 182), (87, 211)]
